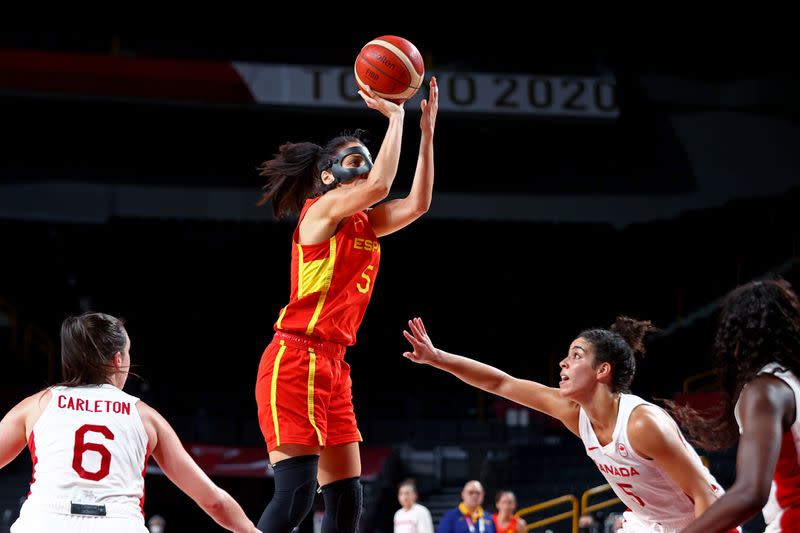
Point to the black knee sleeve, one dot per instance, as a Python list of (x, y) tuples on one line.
[(343, 500), (295, 487)]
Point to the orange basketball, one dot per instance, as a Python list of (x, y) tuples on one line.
[(391, 66)]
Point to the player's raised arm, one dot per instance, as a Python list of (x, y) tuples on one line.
[(529, 393)]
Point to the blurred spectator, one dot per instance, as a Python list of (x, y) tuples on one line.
[(156, 524), (504, 519), (469, 516), (8, 518), (413, 517), (587, 524)]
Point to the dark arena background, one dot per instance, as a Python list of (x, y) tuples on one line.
[(573, 184)]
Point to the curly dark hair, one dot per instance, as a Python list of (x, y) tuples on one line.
[(618, 346), (759, 324)]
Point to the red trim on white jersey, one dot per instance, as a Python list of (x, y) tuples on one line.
[(787, 473), (144, 486), (34, 459)]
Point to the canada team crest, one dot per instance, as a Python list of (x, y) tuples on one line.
[(622, 450)]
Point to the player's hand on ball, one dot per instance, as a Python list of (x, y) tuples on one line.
[(430, 107), (374, 101), (423, 350)]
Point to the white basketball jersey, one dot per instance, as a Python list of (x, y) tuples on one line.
[(648, 492), (782, 511), (90, 447)]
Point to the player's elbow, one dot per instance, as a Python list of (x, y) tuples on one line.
[(748, 498), (501, 385), (421, 207), (378, 190), (214, 501), (755, 497)]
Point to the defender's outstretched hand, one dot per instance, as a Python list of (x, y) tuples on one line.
[(424, 351)]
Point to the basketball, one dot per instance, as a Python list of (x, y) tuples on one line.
[(391, 66)]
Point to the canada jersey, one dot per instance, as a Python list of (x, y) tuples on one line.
[(332, 281), (648, 492), (782, 511), (89, 446)]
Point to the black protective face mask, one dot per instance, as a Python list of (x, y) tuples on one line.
[(341, 174)]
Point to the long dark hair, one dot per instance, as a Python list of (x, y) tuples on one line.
[(293, 174), (618, 347), (88, 345), (759, 324)]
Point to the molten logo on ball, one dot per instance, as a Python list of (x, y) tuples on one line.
[(391, 66)]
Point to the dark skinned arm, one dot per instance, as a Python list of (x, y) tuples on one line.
[(767, 411)]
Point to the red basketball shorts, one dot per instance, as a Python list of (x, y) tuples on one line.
[(304, 395)]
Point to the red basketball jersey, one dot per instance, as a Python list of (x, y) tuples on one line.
[(511, 527), (332, 281)]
